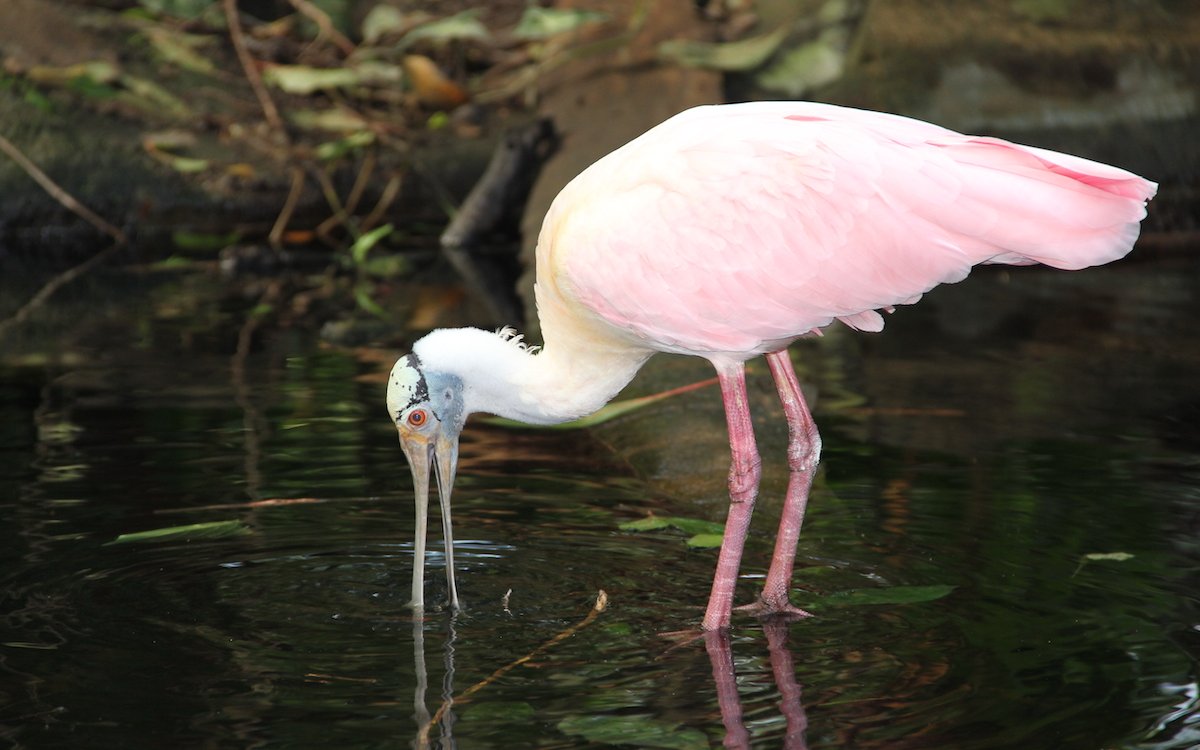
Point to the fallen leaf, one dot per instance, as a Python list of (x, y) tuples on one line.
[(304, 80), (541, 23), (189, 532), (739, 56), (432, 87), (697, 526), (464, 25), (890, 595), (1115, 556), (638, 730)]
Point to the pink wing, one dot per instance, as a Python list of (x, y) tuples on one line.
[(732, 230)]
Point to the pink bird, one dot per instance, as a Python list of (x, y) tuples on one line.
[(728, 232)]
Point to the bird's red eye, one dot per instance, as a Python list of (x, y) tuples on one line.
[(418, 417)]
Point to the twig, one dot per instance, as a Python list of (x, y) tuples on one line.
[(253, 424), (597, 608), (251, 505), (70, 203), (344, 214), (239, 45), (390, 191), (275, 238), (60, 195), (335, 204), (324, 25), (57, 283)]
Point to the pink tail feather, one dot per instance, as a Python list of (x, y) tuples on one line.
[(1056, 209)]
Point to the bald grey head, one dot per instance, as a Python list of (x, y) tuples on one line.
[(428, 411)]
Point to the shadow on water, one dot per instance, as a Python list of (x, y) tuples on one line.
[(1044, 467)]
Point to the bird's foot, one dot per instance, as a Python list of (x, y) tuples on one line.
[(771, 609)]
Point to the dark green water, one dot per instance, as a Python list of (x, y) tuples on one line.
[(994, 437)]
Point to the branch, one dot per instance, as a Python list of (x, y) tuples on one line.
[(239, 45), (597, 608), (324, 25), (60, 195)]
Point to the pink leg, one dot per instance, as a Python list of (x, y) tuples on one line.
[(804, 451), (743, 488)]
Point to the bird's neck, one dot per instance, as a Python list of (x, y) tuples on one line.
[(568, 378)]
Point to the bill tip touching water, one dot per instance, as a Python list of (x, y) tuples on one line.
[(727, 232)]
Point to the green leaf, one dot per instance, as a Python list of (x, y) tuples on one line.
[(705, 541), (342, 146), (185, 240), (148, 95), (697, 526), (892, 595), (807, 66), (386, 266), (540, 23), (190, 532), (1114, 556), (179, 8), (464, 25), (636, 730), (739, 56), (303, 79), (494, 712), (336, 119), (363, 245), (179, 48), (649, 523), (362, 296), (381, 20), (173, 262), (186, 164)]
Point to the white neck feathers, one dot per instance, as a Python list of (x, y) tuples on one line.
[(503, 376)]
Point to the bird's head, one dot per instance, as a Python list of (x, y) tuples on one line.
[(428, 410)]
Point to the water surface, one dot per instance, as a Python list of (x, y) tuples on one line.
[(1028, 440)]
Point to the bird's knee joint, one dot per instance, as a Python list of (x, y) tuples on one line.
[(804, 454), (743, 481)]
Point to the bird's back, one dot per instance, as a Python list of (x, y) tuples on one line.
[(729, 231)]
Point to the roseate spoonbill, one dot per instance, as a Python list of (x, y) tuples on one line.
[(727, 232)]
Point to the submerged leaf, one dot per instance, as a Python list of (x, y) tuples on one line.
[(705, 541), (185, 240), (892, 595), (649, 523), (636, 730), (697, 526), (189, 532)]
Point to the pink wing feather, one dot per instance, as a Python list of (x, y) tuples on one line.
[(730, 231)]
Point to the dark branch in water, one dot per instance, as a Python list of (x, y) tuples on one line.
[(504, 187), (496, 199)]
